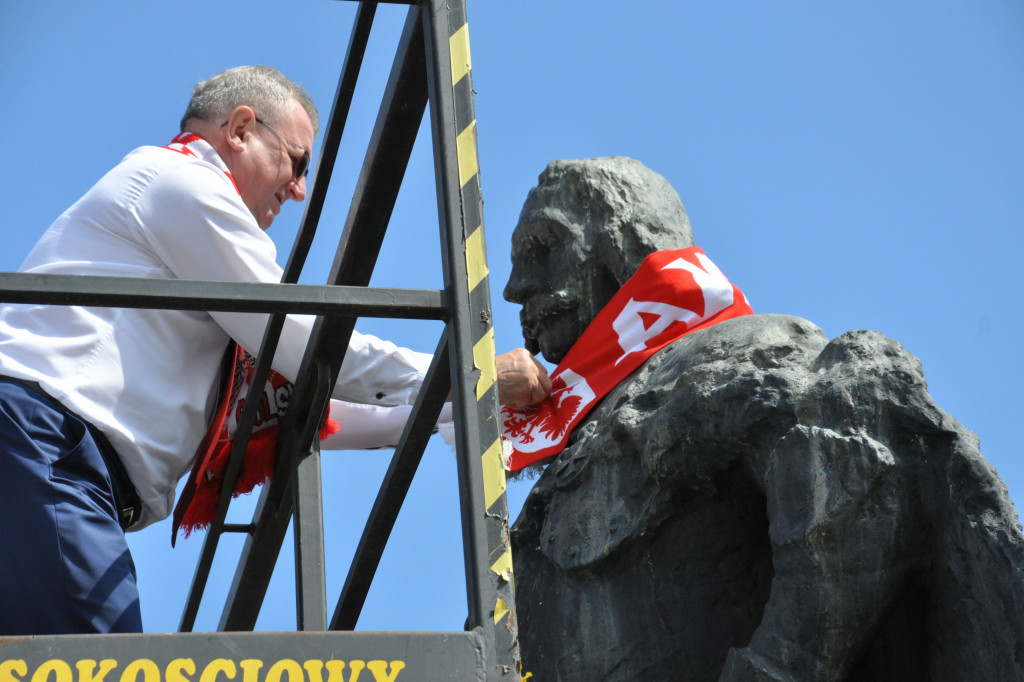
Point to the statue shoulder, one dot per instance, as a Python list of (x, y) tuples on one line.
[(763, 340)]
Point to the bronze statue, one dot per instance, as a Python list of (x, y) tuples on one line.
[(755, 502)]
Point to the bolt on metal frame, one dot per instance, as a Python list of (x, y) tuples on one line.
[(431, 68)]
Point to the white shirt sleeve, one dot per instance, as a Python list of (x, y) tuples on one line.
[(369, 427)]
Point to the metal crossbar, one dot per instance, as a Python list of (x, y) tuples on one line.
[(431, 73)]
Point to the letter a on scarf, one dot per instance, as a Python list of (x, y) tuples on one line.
[(672, 293)]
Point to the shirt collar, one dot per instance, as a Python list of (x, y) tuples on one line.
[(193, 145)]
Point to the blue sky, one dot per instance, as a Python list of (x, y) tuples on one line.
[(857, 164)]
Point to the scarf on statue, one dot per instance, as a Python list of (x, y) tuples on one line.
[(672, 294), (197, 505)]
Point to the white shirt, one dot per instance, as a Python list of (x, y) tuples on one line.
[(148, 378)]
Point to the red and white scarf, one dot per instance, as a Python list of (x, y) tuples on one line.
[(197, 504), (672, 293)]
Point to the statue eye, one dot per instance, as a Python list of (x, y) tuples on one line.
[(546, 235)]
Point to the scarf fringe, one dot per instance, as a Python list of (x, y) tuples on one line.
[(257, 469)]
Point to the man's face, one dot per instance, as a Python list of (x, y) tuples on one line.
[(265, 177), (550, 276)]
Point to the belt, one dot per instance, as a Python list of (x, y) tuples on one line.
[(126, 498), (129, 506)]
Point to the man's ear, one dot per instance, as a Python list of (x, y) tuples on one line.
[(240, 122)]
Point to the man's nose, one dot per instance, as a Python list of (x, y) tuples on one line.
[(297, 189)]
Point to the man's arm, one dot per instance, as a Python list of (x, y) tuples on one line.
[(211, 237)]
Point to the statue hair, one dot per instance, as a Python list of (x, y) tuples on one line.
[(626, 210)]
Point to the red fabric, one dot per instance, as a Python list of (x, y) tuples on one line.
[(671, 294), (197, 505)]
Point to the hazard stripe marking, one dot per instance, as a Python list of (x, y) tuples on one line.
[(483, 360), (503, 566), (465, 146), (476, 261), (458, 45), (500, 610), (494, 474)]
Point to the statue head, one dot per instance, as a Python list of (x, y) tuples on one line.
[(583, 231)]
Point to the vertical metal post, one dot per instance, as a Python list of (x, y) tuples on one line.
[(308, 520), (308, 528), (488, 554)]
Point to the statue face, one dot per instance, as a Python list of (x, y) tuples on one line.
[(550, 277), (583, 231)]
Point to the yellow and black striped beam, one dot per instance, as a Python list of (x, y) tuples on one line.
[(492, 465), (501, 607)]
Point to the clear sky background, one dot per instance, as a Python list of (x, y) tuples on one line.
[(857, 164)]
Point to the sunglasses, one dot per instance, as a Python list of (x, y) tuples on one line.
[(300, 166)]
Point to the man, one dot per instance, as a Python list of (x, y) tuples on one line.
[(100, 405)]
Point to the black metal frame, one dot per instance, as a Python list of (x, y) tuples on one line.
[(431, 68)]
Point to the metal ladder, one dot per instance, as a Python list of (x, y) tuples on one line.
[(431, 68)]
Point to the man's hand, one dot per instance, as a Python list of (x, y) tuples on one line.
[(522, 380)]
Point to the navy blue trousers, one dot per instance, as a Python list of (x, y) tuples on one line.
[(64, 562)]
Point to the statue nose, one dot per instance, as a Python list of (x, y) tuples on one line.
[(515, 289)]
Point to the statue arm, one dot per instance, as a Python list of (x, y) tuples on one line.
[(833, 519)]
